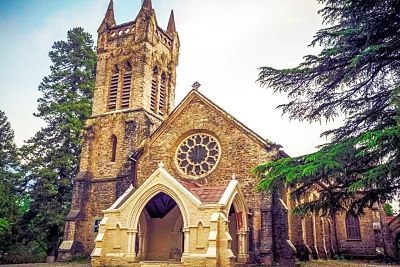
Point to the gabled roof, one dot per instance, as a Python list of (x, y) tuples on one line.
[(267, 144), (197, 193), (207, 195)]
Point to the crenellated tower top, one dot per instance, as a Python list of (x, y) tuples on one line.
[(136, 64)]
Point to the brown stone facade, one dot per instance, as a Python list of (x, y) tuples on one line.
[(149, 54), (133, 128), (241, 150), (323, 237)]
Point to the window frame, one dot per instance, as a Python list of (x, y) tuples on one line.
[(352, 222)]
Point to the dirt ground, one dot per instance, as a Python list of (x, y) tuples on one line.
[(50, 265), (323, 263), (329, 263)]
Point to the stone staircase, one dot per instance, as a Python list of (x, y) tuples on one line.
[(159, 264)]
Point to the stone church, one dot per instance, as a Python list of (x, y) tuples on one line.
[(161, 185)]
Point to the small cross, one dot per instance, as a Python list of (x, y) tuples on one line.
[(161, 165), (196, 85)]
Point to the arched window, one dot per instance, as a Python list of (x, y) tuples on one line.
[(162, 97), (113, 148), (113, 91), (352, 227), (154, 90), (126, 86)]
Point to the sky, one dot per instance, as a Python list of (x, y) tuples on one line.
[(223, 43)]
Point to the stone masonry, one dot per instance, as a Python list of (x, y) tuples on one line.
[(142, 46), (131, 141)]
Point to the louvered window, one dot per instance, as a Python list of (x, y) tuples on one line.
[(153, 97), (161, 102), (126, 89), (112, 95), (353, 227)]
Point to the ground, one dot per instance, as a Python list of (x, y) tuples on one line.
[(344, 263), (325, 263)]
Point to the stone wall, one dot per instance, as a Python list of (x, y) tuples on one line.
[(316, 236), (240, 152)]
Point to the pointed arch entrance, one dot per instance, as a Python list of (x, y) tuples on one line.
[(160, 230), (238, 230), (158, 222)]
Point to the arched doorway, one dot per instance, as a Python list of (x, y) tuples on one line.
[(160, 236), (233, 230), (237, 224)]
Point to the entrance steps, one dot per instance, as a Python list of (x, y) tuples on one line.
[(160, 264)]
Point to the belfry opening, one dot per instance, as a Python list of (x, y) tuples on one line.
[(160, 236)]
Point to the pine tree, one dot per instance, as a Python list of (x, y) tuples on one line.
[(9, 185), (388, 209), (52, 155), (357, 74)]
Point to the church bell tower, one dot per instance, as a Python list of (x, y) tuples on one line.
[(134, 93)]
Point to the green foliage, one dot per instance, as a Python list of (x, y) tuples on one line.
[(51, 156), (10, 187), (357, 74), (388, 209)]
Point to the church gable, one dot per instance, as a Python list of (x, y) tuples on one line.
[(201, 143)]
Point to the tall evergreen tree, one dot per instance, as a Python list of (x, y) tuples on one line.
[(9, 186), (357, 74), (52, 155)]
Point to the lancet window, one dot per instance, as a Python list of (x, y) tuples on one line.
[(126, 86), (113, 90), (154, 90), (163, 95)]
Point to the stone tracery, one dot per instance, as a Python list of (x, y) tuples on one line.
[(198, 155)]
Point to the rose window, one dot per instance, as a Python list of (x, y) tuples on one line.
[(198, 154)]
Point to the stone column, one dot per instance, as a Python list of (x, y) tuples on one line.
[(132, 245), (140, 254), (186, 241), (242, 246)]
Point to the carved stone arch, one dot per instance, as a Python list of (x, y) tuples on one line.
[(115, 68), (238, 227), (127, 64), (156, 69), (237, 200), (164, 76), (138, 208)]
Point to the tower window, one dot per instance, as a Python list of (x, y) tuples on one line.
[(126, 86), (154, 91), (113, 148), (161, 103), (352, 227), (112, 95)]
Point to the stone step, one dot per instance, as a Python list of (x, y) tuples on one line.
[(160, 264)]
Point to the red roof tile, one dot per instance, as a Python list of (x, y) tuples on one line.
[(207, 195)]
